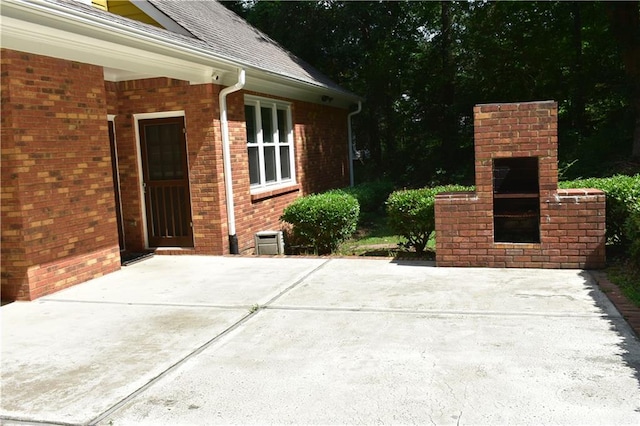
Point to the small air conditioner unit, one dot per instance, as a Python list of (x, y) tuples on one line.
[(269, 242)]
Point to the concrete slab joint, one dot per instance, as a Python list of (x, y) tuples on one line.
[(322, 341)]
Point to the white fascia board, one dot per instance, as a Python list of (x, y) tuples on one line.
[(46, 41), (52, 30), (268, 83), (69, 29)]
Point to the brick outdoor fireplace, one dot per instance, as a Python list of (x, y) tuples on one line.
[(518, 217)]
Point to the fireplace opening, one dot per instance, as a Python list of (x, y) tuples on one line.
[(517, 175), (516, 200)]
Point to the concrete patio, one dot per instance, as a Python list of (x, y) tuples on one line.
[(247, 340)]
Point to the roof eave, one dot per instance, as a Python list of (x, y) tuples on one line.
[(72, 34)]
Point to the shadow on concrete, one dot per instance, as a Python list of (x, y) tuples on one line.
[(630, 341), (129, 258), (413, 262)]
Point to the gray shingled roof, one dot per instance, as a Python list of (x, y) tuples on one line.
[(224, 34), (134, 25), (232, 37)]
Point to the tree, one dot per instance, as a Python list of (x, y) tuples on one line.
[(625, 24), (422, 66)]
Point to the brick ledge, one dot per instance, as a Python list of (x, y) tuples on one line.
[(274, 193)]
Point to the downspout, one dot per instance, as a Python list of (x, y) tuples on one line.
[(226, 158), (350, 136)]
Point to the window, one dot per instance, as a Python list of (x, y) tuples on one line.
[(269, 143)]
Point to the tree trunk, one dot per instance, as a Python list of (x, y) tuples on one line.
[(578, 89), (636, 132), (447, 94)]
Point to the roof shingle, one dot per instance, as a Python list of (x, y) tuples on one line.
[(225, 35)]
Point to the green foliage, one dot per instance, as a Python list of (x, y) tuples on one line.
[(632, 231), (323, 220), (411, 213), (625, 276), (623, 199), (371, 195), (422, 66)]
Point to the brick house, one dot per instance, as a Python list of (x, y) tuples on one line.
[(151, 125)]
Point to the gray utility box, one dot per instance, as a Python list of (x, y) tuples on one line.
[(269, 242)]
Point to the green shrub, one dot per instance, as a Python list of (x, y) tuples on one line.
[(371, 195), (632, 231), (411, 213), (323, 220), (623, 197)]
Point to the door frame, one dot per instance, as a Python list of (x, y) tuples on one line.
[(111, 121), (143, 203)]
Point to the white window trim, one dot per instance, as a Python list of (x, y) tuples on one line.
[(258, 103)]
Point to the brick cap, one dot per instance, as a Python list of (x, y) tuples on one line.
[(579, 191), (517, 103), (274, 193), (463, 195)]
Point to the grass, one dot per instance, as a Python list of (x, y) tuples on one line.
[(375, 238), (625, 275)]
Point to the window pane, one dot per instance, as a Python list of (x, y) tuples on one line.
[(282, 125), (267, 125), (164, 153), (254, 166), (285, 165), (270, 163), (250, 116)]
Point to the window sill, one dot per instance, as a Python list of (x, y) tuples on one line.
[(263, 195)]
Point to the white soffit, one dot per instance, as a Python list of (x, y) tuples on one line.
[(114, 74), (46, 41), (263, 82), (129, 61)]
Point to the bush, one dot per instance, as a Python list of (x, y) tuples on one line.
[(632, 231), (623, 198), (323, 220), (371, 195), (411, 213)]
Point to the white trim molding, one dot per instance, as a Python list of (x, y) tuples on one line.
[(51, 29)]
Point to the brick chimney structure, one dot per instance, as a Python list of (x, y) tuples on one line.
[(518, 218)]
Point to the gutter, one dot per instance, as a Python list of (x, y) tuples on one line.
[(350, 142), (95, 26), (226, 157)]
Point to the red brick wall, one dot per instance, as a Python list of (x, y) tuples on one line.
[(12, 263), (58, 211), (199, 103), (320, 148), (572, 222), (321, 152)]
